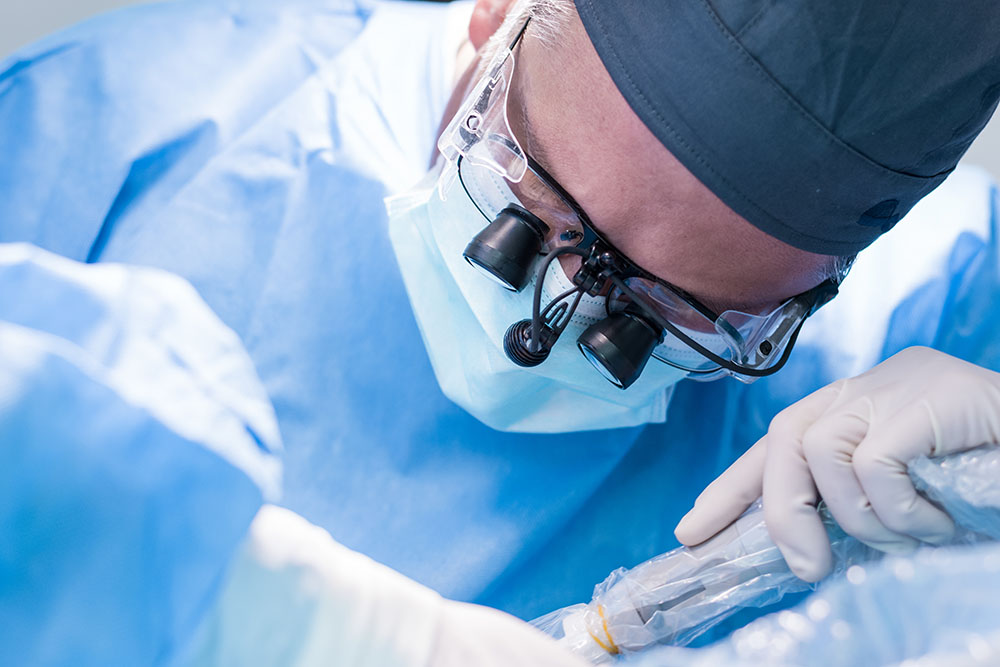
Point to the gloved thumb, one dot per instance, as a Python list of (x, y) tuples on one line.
[(725, 499)]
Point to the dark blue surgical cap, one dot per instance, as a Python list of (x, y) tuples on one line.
[(822, 122)]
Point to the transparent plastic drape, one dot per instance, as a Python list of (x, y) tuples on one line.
[(674, 597)]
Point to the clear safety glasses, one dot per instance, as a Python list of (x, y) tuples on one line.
[(532, 220)]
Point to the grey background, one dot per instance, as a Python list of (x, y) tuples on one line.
[(22, 21)]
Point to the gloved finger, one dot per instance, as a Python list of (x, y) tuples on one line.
[(829, 446), (790, 496), (726, 498), (880, 464)]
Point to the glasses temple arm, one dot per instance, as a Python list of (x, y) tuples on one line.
[(700, 349)]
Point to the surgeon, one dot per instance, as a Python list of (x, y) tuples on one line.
[(490, 382)]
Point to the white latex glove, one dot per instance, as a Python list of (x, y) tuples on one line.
[(296, 598), (849, 443)]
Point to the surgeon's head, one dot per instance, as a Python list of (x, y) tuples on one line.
[(735, 155), (575, 122)]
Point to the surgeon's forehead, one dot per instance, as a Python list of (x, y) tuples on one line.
[(523, 106)]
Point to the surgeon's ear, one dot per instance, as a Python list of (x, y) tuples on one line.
[(487, 16)]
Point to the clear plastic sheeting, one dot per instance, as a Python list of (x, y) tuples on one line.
[(967, 485), (937, 608), (674, 597)]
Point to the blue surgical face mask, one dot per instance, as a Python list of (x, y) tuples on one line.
[(463, 318)]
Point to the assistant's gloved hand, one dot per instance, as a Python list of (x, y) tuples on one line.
[(294, 597), (849, 443)]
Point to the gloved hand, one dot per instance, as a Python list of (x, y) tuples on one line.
[(294, 597), (849, 443)]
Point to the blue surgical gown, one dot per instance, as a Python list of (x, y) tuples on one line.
[(136, 445), (247, 146)]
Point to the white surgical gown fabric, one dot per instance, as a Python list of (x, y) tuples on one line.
[(295, 598), (247, 146), (136, 444)]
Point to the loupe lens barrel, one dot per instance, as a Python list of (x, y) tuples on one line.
[(506, 249), (619, 347)]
